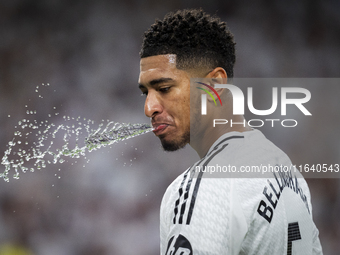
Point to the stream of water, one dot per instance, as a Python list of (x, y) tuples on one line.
[(37, 144)]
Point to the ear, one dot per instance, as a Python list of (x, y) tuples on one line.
[(218, 72), (218, 75)]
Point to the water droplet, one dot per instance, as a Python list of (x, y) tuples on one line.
[(44, 149)]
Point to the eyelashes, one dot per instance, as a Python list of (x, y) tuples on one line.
[(162, 90)]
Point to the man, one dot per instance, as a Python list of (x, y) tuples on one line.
[(216, 215)]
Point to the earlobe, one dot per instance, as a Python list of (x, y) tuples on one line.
[(219, 92)]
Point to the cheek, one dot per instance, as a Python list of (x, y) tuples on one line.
[(179, 110), (185, 110)]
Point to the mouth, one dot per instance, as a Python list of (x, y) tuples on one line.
[(159, 129)]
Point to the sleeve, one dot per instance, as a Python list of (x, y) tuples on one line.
[(317, 249)]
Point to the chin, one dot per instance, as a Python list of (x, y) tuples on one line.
[(175, 144)]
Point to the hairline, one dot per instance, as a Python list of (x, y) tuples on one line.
[(187, 65)]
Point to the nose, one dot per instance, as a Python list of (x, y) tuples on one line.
[(152, 105)]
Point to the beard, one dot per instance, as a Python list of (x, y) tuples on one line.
[(175, 145)]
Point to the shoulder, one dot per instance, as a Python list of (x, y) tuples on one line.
[(251, 147)]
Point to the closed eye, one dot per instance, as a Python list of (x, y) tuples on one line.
[(164, 89), (143, 89)]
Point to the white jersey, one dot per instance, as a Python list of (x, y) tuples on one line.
[(220, 216)]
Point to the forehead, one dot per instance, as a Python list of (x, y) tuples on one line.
[(159, 66)]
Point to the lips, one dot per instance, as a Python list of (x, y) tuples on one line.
[(159, 128)]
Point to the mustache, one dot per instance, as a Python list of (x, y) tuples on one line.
[(161, 120)]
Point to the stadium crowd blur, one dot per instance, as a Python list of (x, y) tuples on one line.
[(88, 52)]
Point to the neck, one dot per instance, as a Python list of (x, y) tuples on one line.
[(202, 142)]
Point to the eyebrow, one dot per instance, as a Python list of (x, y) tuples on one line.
[(156, 82)]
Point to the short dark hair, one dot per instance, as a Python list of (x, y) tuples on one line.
[(197, 38)]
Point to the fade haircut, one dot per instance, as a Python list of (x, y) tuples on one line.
[(198, 39)]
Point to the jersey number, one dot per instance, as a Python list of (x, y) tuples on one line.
[(293, 235)]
